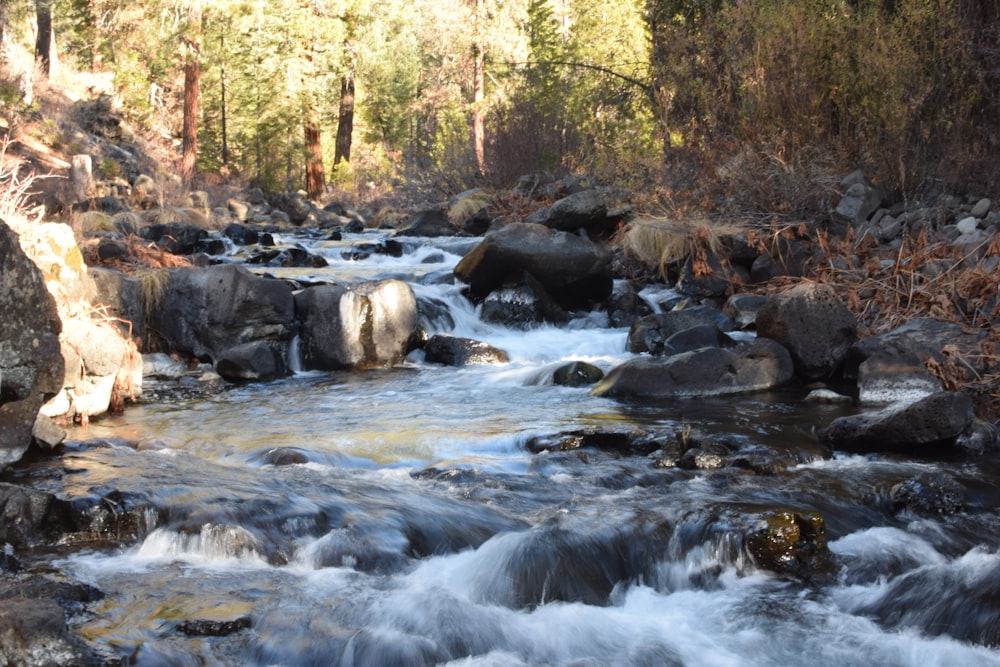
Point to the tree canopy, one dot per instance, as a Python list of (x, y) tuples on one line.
[(355, 94)]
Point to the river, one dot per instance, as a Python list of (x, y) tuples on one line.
[(417, 526)]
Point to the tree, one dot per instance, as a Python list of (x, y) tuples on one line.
[(45, 39), (345, 115), (192, 92)]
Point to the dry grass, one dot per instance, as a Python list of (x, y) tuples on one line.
[(662, 243)]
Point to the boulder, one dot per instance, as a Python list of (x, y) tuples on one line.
[(256, 360), (31, 366), (33, 632), (929, 425), (743, 309), (925, 339), (432, 223), (695, 338), (889, 377), (363, 326), (574, 270), (120, 297), (521, 301), (756, 366), (205, 311), (813, 324), (625, 306), (582, 210), (456, 351), (179, 238), (577, 374), (103, 369), (650, 333), (859, 202)]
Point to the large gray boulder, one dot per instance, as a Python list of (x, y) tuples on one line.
[(925, 426), (363, 326), (756, 366), (31, 365), (574, 270), (205, 312), (813, 324)]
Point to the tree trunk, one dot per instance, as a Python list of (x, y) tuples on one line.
[(4, 25), (478, 119), (478, 94), (43, 40), (345, 119), (315, 178), (192, 95), (222, 85)]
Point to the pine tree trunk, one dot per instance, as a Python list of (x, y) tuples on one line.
[(478, 93), (43, 41), (345, 119), (315, 178), (192, 95)]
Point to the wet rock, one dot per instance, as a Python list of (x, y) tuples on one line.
[(575, 271), (364, 326), (33, 633), (577, 374), (622, 442), (932, 493), (759, 365), (813, 324), (650, 333), (253, 361), (929, 425), (241, 234), (827, 396), (790, 542), (284, 456), (212, 628), (31, 364), (457, 351), (521, 301), (206, 311)]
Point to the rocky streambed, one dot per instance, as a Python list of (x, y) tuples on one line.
[(378, 447)]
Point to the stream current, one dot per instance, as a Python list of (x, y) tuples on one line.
[(421, 529)]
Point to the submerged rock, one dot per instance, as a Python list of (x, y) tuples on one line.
[(928, 493), (790, 542), (577, 374)]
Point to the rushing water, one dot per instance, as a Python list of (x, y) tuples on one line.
[(420, 528)]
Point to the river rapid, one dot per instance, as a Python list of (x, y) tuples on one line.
[(416, 524)]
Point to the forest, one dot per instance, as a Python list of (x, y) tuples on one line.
[(736, 106)]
